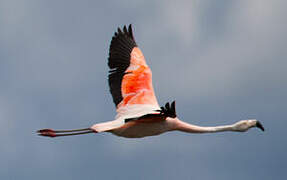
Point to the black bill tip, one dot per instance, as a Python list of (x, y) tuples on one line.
[(259, 125)]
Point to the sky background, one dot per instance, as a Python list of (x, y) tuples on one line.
[(222, 61)]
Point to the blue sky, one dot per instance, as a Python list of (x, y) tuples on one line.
[(222, 61)]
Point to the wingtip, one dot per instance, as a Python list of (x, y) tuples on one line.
[(128, 30), (130, 27), (173, 104), (167, 106), (119, 30), (125, 29)]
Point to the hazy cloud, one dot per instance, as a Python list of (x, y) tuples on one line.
[(222, 61)]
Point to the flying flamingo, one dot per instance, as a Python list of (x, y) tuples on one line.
[(138, 112)]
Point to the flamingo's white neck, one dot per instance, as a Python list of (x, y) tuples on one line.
[(240, 126)]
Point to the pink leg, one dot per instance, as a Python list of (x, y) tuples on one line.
[(57, 133)]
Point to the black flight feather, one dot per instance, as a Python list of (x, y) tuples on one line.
[(121, 47)]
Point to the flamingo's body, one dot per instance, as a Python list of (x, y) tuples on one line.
[(138, 112)]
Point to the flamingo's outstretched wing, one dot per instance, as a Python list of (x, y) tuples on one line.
[(130, 78)]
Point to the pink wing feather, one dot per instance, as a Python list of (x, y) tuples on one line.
[(130, 78)]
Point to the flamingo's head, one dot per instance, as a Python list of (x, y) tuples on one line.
[(244, 125)]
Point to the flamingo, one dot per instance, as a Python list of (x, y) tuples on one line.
[(138, 112)]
